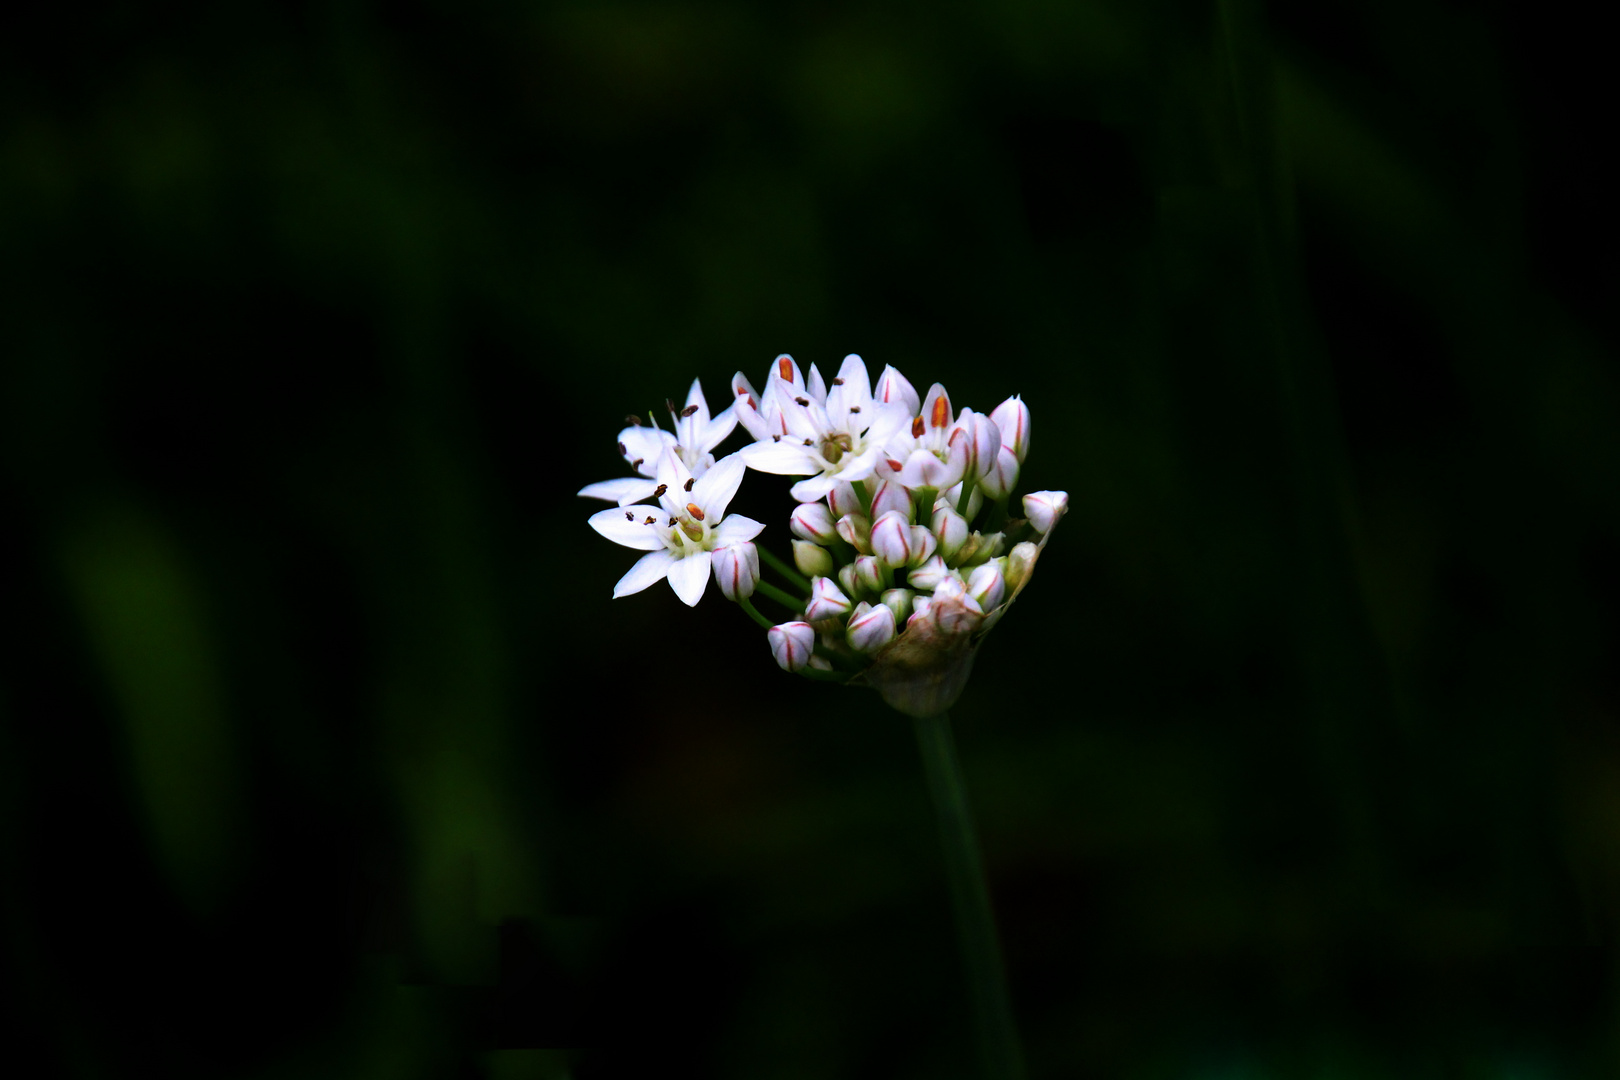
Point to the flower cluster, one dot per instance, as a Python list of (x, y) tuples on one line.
[(905, 553)]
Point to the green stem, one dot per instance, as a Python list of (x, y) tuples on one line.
[(999, 1051), (864, 496), (753, 612), (967, 494), (783, 567), (786, 599)]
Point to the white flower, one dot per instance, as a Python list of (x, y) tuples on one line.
[(679, 540), (805, 428), (792, 644), (932, 452), (696, 435)]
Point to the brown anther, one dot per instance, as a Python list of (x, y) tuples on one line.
[(784, 368), (688, 411), (776, 438), (917, 428), (650, 520), (854, 408), (809, 442), (636, 420), (801, 401), (670, 405), (628, 516), (690, 480), (942, 412), (695, 510), (672, 523), (636, 464), (660, 492), (623, 449), (838, 382)]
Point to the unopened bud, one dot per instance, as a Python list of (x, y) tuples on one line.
[(847, 578), (827, 600), (984, 438), (987, 586), (1012, 419), (923, 545), (1043, 508), (998, 474), (792, 644), (950, 531), (1020, 561), (843, 500), (736, 569), (891, 495), (899, 602), (868, 575), (870, 628), (988, 547), (813, 522), (928, 576), (856, 531), (812, 560), (891, 539)]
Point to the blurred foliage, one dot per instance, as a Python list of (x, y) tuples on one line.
[(323, 751)]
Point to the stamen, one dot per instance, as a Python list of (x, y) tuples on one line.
[(690, 480), (854, 408), (784, 368), (650, 520), (694, 510), (636, 420), (917, 428), (838, 381), (636, 464), (942, 412), (688, 411), (672, 523), (670, 405), (776, 438), (895, 465), (801, 401), (623, 449), (660, 492), (628, 516), (809, 442)]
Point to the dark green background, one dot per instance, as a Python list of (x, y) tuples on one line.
[(325, 753)]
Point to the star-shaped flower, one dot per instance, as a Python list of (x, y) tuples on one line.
[(696, 435), (680, 539), (805, 428)]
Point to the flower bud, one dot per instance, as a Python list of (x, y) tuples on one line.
[(1043, 508), (791, 644), (1012, 419), (736, 569), (870, 628), (891, 495), (928, 576), (950, 531), (923, 545), (868, 575), (811, 559), (856, 530), (998, 474), (813, 522), (1020, 561), (919, 611), (989, 546), (899, 602), (847, 578), (827, 600), (970, 547), (952, 496), (983, 438), (843, 500), (891, 539), (987, 586)]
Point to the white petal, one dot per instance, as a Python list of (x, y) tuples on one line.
[(672, 477), (735, 529), (645, 445), (715, 488), (694, 396), (809, 491), (715, 431), (648, 569), (817, 389), (688, 576), (628, 531), (783, 458), (628, 490), (894, 388)]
